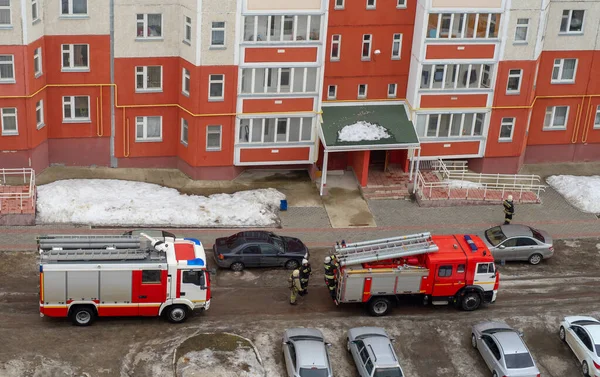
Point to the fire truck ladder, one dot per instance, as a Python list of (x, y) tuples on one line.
[(93, 254), (385, 248), (88, 242)]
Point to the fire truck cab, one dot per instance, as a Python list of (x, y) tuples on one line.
[(449, 269), (82, 277)]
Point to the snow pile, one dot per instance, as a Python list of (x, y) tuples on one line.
[(239, 363), (457, 183), (362, 131), (582, 192), (115, 202)]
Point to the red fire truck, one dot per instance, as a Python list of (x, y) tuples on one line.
[(82, 277), (452, 269)]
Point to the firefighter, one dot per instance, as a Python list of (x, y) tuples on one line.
[(330, 276), (295, 286), (305, 272), (509, 209)]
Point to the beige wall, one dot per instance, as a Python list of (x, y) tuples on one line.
[(218, 11), (466, 3), (14, 35), (521, 51), (285, 4), (96, 23), (585, 41), (188, 9)]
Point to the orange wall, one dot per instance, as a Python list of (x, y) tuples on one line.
[(284, 54), (126, 81), (455, 148), (527, 93), (347, 87), (386, 13), (18, 88), (359, 161), (34, 84), (582, 76), (495, 148), (271, 105), (266, 154), (537, 136), (455, 100), (99, 59), (458, 51), (16, 142)]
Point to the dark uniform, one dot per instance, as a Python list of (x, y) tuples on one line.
[(509, 211), (330, 278), (305, 272)]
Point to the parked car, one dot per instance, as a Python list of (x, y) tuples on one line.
[(503, 350), (582, 334), (373, 354), (305, 353), (518, 243), (258, 249)]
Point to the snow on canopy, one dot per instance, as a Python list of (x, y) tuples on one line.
[(362, 131)]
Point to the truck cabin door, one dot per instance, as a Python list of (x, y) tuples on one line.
[(193, 286), (485, 275)]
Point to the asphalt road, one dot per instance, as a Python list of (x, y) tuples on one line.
[(430, 341)]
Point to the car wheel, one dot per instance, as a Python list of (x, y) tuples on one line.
[(237, 266), (562, 335), (379, 306), (177, 314), (471, 301), (291, 264), (82, 316), (473, 341), (585, 369), (535, 259)]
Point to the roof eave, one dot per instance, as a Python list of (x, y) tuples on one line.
[(370, 147)]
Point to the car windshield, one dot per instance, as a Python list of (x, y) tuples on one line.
[(313, 372), (518, 360), (387, 372), (234, 241), (495, 235), (278, 242), (537, 235)]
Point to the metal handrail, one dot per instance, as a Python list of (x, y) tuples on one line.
[(28, 179)]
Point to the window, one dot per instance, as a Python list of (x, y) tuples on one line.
[(522, 30), (294, 29), (492, 346), (251, 250), (184, 132), (460, 269), (401, 4), (572, 21), (525, 241), (597, 119), (371, 4), (556, 117), (75, 57), (151, 276), (445, 271), (217, 36), (268, 250), (9, 121), (463, 25), (362, 91), (482, 268), (564, 71), (193, 277), (216, 84), (366, 47), (339, 4), (455, 125), (279, 80), (213, 138), (456, 76), (336, 44), (148, 128), (7, 68), (74, 7), (185, 82), (187, 30), (148, 79), (39, 114), (280, 130), (149, 26), (5, 13), (396, 46), (332, 92), (506, 129), (37, 62), (76, 108), (392, 88), (513, 85), (35, 11)]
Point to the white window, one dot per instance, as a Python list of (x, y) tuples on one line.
[(455, 125), (213, 138), (371, 4), (216, 86), (293, 29), (148, 79), (37, 61), (507, 128), (149, 25), (572, 21), (76, 108), (187, 30), (513, 85), (5, 13), (7, 68), (148, 128), (564, 71), (279, 80), (184, 132), (217, 36), (556, 117), (331, 91), (463, 25), (74, 7), (456, 76), (366, 47), (339, 4), (522, 30), (401, 4), (396, 46), (185, 82), (35, 11), (9, 121), (392, 90), (39, 114), (336, 45), (75, 57), (275, 130), (597, 119), (362, 91)]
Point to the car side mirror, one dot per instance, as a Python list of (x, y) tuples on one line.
[(286, 343), (479, 337), (393, 340), (520, 333), (501, 247), (328, 345)]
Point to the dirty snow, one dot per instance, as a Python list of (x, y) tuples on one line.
[(582, 192), (457, 183), (115, 202), (361, 130), (239, 363), (572, 243)]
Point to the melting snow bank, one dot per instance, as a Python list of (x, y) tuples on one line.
[(456, 183), (239, 363), (115, 202), (361, 130), (582, 192)]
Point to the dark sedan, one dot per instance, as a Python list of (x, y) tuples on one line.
[(258, 249)]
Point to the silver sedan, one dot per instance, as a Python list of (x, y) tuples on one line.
[(518, 243), (503, 350), (305, 353)]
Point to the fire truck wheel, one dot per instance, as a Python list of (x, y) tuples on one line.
[(471, 301), (237, 266), (291, 264), (82, 315), (379, 306), (177, 314), (535, 259)]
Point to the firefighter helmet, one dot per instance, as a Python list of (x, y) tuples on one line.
[(510, 198), (327, 259), (304, 261)]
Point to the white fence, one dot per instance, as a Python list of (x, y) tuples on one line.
[(20, 178)]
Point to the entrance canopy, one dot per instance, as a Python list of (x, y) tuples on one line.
[(390, 122)]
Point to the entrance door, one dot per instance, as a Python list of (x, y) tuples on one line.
[(193, 286), (378, 160)]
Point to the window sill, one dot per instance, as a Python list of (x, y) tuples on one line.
[(6, 133), (396, 58), (74, 16), (146, 91), (35, 22), (562, 82), (554, 129), (371, 8), (189, 43), (217, 47), (149, 39), (401, 6), (187, 94), (596, 127), (301, 42), (6, 27), (365, 59), (359, 97), (8, 81), (40, 126), (505, 140), (513, 93), (82, 120), (213, 150), (38, 75), (75, 70), (462, 40), (391, 97), (338, 8), (569, 33), (148, 140), (334, 60), (216, 99), (331, 98), (520, 43), (184, 143)]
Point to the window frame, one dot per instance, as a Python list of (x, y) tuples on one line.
[(597, 118), (37, 54), (35, 15), (262, 77), (507, 121), (372, 6), (39, 107), (569, 17), (144, 124), (187, 27), (397, 38), (338, 43), (144, 21), (401, 4), (216, 81), (73, 118), (482, 71), (395, 93), (522, 26), (491, 19), (261, 124), (10, 80), (447, 270), (337, 5), (9, 9), (334, 92), (184, 125), (553, 116), (560, 64), (70, 7), (222, 29), (71, 52), (212, 132), (259, 30), (144, 75), (5, 132), (366, 41), (512, 75), (461, 129), (362, 96), (152, 281), (185, 78)]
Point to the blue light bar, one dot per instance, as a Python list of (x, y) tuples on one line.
[(195, 262), (470, 242)]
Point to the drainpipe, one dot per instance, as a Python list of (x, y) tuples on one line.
[(417, 170), (113, 159), (324, 172)]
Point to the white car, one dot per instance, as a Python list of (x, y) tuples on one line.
[(582, 334)]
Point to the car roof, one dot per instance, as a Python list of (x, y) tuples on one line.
[(381, 348), (255, 235), (516, 230), (511, 342)]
